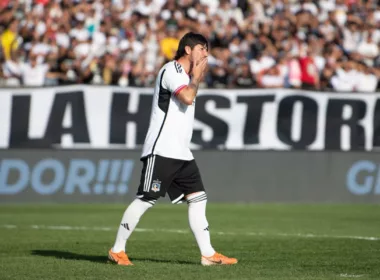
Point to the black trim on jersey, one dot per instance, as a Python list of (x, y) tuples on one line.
[(163, 103), (163, 96)]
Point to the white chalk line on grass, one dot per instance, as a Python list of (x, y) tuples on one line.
[(351, 275), (180, 231)]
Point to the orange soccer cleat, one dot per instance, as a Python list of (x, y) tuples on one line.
[(120, 258), (218, 259)]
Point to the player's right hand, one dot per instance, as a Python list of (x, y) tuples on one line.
[(199, 69)]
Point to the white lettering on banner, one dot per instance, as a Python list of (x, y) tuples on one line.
[(40, 109), (97, 106), (259, 119), (5, 110)]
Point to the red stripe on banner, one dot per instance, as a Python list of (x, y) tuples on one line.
[(178, 90)]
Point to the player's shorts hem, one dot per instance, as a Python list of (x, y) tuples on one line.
[(142, 158), (178, 199)]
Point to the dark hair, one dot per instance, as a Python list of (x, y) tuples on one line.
[(190, 39)]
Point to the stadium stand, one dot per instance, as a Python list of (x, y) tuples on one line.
[(323, 45)]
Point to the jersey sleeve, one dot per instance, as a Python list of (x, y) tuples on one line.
[(175, 79)]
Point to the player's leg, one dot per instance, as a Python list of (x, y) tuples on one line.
[(199, 225), (128, 223), (198, 222), (188, 185), (132, 216), (155, 177)]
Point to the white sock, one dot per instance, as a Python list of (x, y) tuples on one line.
[(198, 222), (129, 222)]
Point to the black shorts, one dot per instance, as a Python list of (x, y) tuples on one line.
[(176, 177)]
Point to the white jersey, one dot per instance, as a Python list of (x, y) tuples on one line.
[(171, 121)]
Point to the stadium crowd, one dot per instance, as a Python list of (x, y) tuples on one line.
[(324, 45)]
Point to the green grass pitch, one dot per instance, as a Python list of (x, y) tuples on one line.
[(271, 241)]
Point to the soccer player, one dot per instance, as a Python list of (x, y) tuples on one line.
[(168, 164)]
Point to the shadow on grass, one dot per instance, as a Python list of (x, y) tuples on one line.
[(97, 259)]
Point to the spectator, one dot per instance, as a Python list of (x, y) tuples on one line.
[(11, 73), (9, 38), (34, 72), (368, 49), (242, 77), (309, 71), (169, 44), (367, 81), (271, 78)]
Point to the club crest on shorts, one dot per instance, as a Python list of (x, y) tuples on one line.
[(156, 186)]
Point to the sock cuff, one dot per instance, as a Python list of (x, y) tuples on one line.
[(198, 197), (147, 200)]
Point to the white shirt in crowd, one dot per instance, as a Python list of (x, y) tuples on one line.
[(351, 39), (12, 71), (272, 81), (40, 49), (369, 50), (62, 39), (366, 83), (81, 34), (353, 80), (99, 41), (263, 63), (34, 76)]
